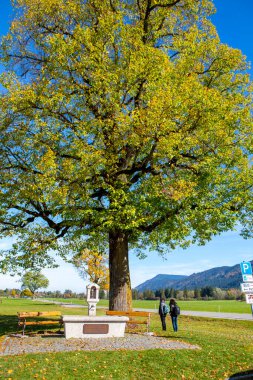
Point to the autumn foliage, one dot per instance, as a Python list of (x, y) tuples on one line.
[(94, 265), (127, 120)]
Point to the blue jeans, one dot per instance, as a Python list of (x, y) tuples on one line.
[(174, 323)]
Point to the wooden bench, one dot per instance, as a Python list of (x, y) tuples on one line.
[(135, 317), (28, 318)]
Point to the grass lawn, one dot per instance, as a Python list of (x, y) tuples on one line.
[(215, 306), (226, 348)]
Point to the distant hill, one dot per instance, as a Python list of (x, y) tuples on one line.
[(221, 277), (161, 281)]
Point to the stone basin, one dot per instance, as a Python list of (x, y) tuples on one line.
[(79, 326)]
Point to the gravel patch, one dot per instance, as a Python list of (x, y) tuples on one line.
[(35, 344)]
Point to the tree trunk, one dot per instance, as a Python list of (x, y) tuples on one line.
[(120, 295)]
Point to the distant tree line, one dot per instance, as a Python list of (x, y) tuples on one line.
[(206, 293), (17, 293)]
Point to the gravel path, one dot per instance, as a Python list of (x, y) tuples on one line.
[(36, 344)]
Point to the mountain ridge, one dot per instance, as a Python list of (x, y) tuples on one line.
[(224, 277), (168, 281)]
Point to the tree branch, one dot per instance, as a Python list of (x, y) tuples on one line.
[(150, 227), (168, 5)]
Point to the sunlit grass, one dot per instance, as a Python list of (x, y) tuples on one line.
[(223, 306), (226, 348)]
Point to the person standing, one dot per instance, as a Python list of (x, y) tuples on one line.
[(174, 312), (163, 311)]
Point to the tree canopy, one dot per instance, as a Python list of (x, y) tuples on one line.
[(127, 119), (34, 280)]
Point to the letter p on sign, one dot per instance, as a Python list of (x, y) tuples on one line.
[(246, 268)]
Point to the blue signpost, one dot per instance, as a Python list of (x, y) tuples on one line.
[(246, 270)]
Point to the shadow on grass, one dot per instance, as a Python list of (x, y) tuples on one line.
[(8, 324), (172, 336), (245, 375)]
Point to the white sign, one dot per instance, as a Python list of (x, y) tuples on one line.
[(247, 287), (249, 298), (247, 277)]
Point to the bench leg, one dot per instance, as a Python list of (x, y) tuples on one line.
[(148, 325), (23, 332)]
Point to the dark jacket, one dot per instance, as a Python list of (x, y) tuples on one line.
[(162, 309), (172, 310)]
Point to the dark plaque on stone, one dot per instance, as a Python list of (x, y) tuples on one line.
[(96, 328)]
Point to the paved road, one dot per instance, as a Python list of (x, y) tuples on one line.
[(243, 317), (207, 314)]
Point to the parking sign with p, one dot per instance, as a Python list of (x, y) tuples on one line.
[(246, 270)]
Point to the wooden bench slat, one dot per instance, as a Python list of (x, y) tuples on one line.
[(49, 313), (130, 314), (28, 314), (38, 323), (42, 315), (24, 314)]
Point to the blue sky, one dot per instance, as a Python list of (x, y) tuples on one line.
[(234, 24)]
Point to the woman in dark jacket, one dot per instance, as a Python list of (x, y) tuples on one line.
[(173, 314)]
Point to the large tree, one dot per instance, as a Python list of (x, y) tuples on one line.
[(126, 120), (34, 280)]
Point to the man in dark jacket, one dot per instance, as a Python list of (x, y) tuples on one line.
[(162, 312)]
